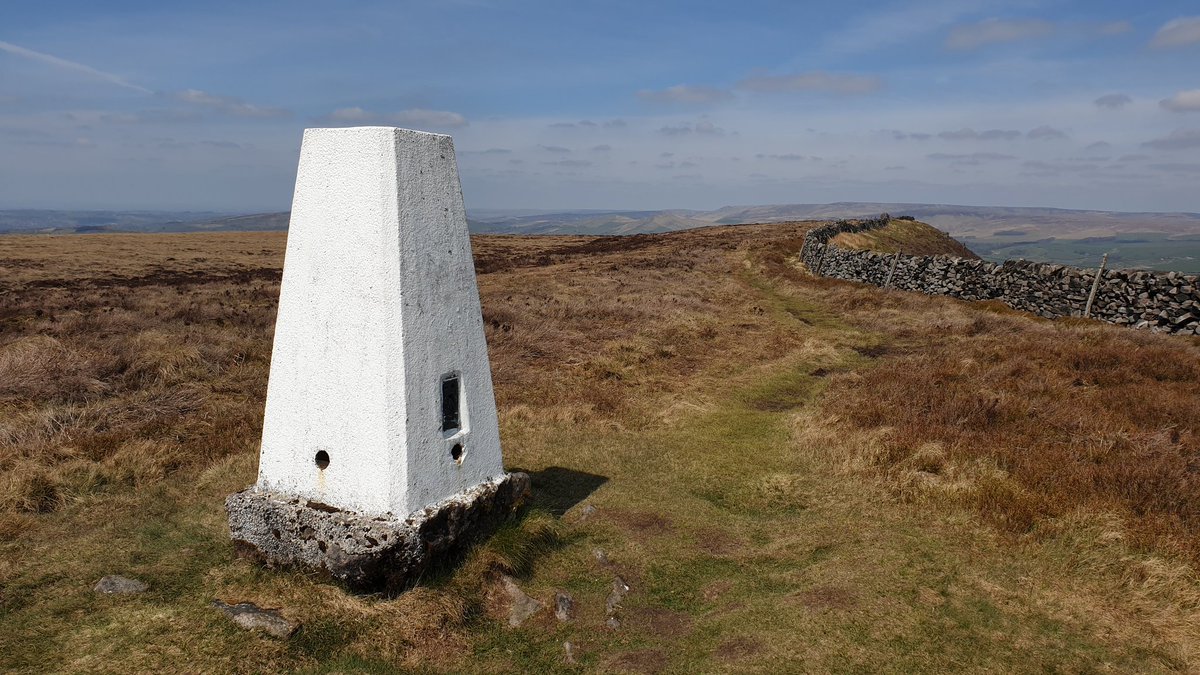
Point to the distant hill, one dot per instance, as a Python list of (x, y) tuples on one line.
[(34, 221), (1136, 239), (980, 221), (1009, 224), (591, 222)]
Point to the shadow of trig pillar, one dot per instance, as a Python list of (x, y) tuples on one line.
[(380, 449)]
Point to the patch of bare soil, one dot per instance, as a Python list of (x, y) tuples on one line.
[(641, 661), (717, 542), (642, 524), (828, 597), (662, 622), (738, 648)]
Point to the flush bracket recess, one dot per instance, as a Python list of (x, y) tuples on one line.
[(451, 403)]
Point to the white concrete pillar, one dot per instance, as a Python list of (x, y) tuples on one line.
[(379, 320)]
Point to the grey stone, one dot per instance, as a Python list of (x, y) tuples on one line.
[(569, 652), (252, 617), (586, 513), (368, 553), (564, 606), (619, 590), (117, 585), (520, 606)]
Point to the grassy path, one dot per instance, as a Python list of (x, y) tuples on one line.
[(748, 547)]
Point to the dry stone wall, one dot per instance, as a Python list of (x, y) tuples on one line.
[(1159, 301)]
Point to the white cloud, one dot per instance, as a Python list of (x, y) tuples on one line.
[(1177, 33), (702, 128), (227, 104), (570, 163), (64, 64), (899, 24), (1043, 167), (786, 157), (1113, 101), (812, 81), (1180, 139), (972, 159), (1177, 167), (968, 134), (685, 94), (996, 31), (1046, 133), (413, 117), (1184, 101)]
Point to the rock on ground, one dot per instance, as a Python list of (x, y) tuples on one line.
[(114, 584), (564, 606), (252, 617), (521, 606)]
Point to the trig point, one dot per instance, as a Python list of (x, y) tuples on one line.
[(380, 448)]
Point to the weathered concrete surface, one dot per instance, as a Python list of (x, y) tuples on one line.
[(368, 552), (378, 304)]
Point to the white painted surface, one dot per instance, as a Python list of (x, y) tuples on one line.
[(378, 302)]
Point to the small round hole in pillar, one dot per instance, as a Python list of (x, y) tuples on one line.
[(457, 452), (322, 459)]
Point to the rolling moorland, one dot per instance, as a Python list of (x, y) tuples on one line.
[(1160, 241), (785, 471)]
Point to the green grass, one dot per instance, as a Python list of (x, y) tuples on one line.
[(773, 545), (749, 540)]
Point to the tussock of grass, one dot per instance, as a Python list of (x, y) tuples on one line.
[(517, 547)]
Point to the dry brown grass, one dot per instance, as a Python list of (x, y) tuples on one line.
[(781, 462), (1069, 415), (1071, 438), (909, 237), (120, 363)]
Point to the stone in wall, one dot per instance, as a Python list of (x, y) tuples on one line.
[(1160, 301)]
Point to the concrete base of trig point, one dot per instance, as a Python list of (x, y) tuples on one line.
[(380, 452), (368, 553)]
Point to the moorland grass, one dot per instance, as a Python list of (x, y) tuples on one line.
[(910, 237), (758, 446)]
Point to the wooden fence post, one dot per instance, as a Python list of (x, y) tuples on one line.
[(1087, 310), (895, 260)]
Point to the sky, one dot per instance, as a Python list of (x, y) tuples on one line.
[(137, 104)]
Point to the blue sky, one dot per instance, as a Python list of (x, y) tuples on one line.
[(613, 105)]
